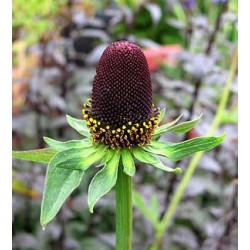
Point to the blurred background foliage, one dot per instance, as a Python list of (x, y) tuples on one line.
[(189, 46)]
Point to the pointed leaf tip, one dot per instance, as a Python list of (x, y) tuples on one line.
[(79, 125), (185, 126), (36, 155), (178, 170)]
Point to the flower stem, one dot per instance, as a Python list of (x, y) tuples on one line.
[(196, 158), (124, 214)]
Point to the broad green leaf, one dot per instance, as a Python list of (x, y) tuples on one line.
[(79, 125), (164, 128), (162, 113), (84, 160), (60, 146), (140, 204), (177, 151), (128, 162), (59, 184), (103, 181), (185, 126), (148, 158), (37, 155)]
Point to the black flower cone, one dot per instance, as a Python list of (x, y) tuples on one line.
[(121, 112)]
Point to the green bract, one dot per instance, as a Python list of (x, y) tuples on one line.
[(69, 160)]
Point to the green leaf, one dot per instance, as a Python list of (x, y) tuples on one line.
[(60, 146), (37, 155), (81, 160), (128, 162), (185, 126), (164, 128), (103, 181), (146, 157), (59, 184), (79, 125), (177, 151), (143, 207)]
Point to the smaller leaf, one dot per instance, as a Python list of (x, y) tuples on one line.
[(185, 126), (103, 181), (146, 157), (80, 159), (128, 162), (60, 146), (37, 155), (164, 128), (79, 125)]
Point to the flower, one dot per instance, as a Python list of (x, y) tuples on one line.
[(121, 113), (120, 125)]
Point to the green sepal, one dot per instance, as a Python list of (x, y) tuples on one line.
[(177, 151), (59, 184), (185, 126), (37, 155), (128, 162), (79, 125), (103, 181), (60, 146), (146, 157), (81, 159), (164, 128)]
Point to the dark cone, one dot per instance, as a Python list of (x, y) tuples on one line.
[(122, 98)]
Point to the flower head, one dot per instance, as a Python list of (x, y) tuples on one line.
[(121, 112), (120, 125)]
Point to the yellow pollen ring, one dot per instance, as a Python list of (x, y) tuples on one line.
[(128, 135)]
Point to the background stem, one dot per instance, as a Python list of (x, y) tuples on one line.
[(196, 158), (124, 214)]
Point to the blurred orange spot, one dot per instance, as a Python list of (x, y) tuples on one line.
[(163, 55)]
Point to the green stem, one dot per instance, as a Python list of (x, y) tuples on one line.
[(196, 158), (124, 214)]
